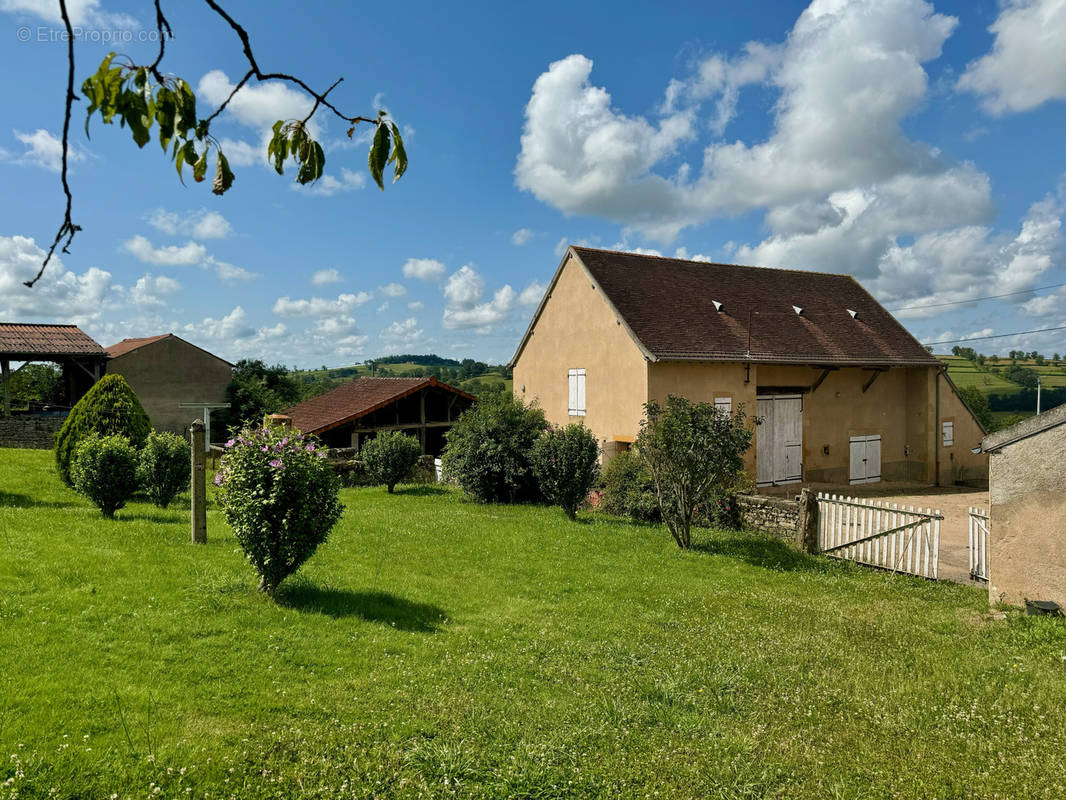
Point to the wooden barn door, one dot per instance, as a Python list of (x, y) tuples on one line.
[(779, 439)]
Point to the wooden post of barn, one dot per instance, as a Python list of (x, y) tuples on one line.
[(5, 368), (807, 528), (199, 482)]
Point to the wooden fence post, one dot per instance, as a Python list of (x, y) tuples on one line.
[(807, 528), (198, 492)]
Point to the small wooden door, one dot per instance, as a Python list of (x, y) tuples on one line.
[(779, 439), (865, 459)]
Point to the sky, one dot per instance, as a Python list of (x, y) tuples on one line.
[(914, 145)]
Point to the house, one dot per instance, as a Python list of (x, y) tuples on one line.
[(1027, 510), (176, 381), (845, 394), (357, 411), (81, 358)]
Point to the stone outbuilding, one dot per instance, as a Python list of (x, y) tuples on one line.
[(355, 412), (175, 380), (1027, 510), (845, 393)]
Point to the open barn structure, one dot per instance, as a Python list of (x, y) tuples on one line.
[(81, 358), (356, 412)]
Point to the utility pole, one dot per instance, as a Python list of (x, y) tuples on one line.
[(1038, 395)]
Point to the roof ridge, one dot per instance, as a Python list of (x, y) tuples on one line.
[(714, 263), (41, 324)]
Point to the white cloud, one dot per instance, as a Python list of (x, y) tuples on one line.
[(847, 75), (425, 269), (202, 224), (148, 290), (415, 305), (327, 185), (682, 252), (169, 255), (481, 315), (45, 150), (464, 288), (323, 276), (60, 296), (240, 153), (401, 336), (532, 294), (257, 106), (521, 236), (383, 307), (336, 325), (393, 290), (319, 306), (81, 12), (1027, 64), (229, 273)]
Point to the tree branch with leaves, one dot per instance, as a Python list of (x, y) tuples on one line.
[(141, 97)]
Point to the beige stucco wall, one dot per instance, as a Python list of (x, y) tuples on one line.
[(958, 463), (171, 371), (576, 330), (1027, 532)]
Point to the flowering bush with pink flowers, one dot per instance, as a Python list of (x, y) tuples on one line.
[(279, 496)]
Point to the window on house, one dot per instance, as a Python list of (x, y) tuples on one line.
[(947, 430), (577, 392), (724, 404)]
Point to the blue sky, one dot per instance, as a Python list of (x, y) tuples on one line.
[(914, 145)]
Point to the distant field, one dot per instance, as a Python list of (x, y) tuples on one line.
[(966, 373), (339, 375)]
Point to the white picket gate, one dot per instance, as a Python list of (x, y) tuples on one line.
[(978, 544), (880, 534)]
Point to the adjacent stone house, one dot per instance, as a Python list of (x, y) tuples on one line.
[(175, 380), (845, 394), (1027, 513), (357, 411)]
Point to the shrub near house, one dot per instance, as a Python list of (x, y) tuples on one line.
[(565, 463)]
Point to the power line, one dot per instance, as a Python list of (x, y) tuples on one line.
[(996, 336), (978, 299)]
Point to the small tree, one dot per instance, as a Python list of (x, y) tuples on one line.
[(280, 498), (104, 469), (628, 490), (977, 402), (164, 467), (109, 407), (691, 450), (389, 457), (565, 463), (488, 449)]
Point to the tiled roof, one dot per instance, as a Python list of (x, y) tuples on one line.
[(126, 345), (669, 305), (356, 399), (46, 340)]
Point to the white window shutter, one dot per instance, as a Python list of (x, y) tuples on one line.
[(573, 391), (581, 392)]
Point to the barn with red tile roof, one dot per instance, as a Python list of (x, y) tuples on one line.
[(844, 392), (357, 411)]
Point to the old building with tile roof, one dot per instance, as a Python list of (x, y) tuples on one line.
[(844, 393)]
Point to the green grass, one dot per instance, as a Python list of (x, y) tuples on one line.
[(437, 648)]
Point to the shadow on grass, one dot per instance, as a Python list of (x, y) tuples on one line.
[(388, 609), (159, 516), (11, 500), (421, 490), (760, 551)]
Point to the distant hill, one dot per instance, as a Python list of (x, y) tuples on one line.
[(475, 377)]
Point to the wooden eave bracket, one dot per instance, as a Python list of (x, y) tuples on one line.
[(877, 372)]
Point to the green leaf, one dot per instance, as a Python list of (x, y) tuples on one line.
[(379, 154), (165, 112), (312, 164), (223, 177), (399, 155), (199, 169), (278, 149), (187, 154)]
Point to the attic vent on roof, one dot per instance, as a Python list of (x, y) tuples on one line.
[(854, 314), (797, 309), (717, 305)]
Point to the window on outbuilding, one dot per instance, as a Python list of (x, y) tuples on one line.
[(577, 392), (947, 431), (724, 404)]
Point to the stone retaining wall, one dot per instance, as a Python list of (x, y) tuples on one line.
[(35, 433), (795, 521)]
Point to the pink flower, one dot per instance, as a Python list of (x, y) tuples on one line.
[(276, 463), (230, 443), (310, 448), (218, 479)]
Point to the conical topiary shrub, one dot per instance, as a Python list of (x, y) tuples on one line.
[(109, 407)]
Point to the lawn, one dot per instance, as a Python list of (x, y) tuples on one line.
[(437, 648)]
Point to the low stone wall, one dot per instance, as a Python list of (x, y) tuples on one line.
[(795, 521), (35, 433)]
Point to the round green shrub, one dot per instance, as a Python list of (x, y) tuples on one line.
[(279, 496), (389, 457), (164, 468), (104, 469), (566, 464), (488, 449), (628, 490), (110, 407)]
